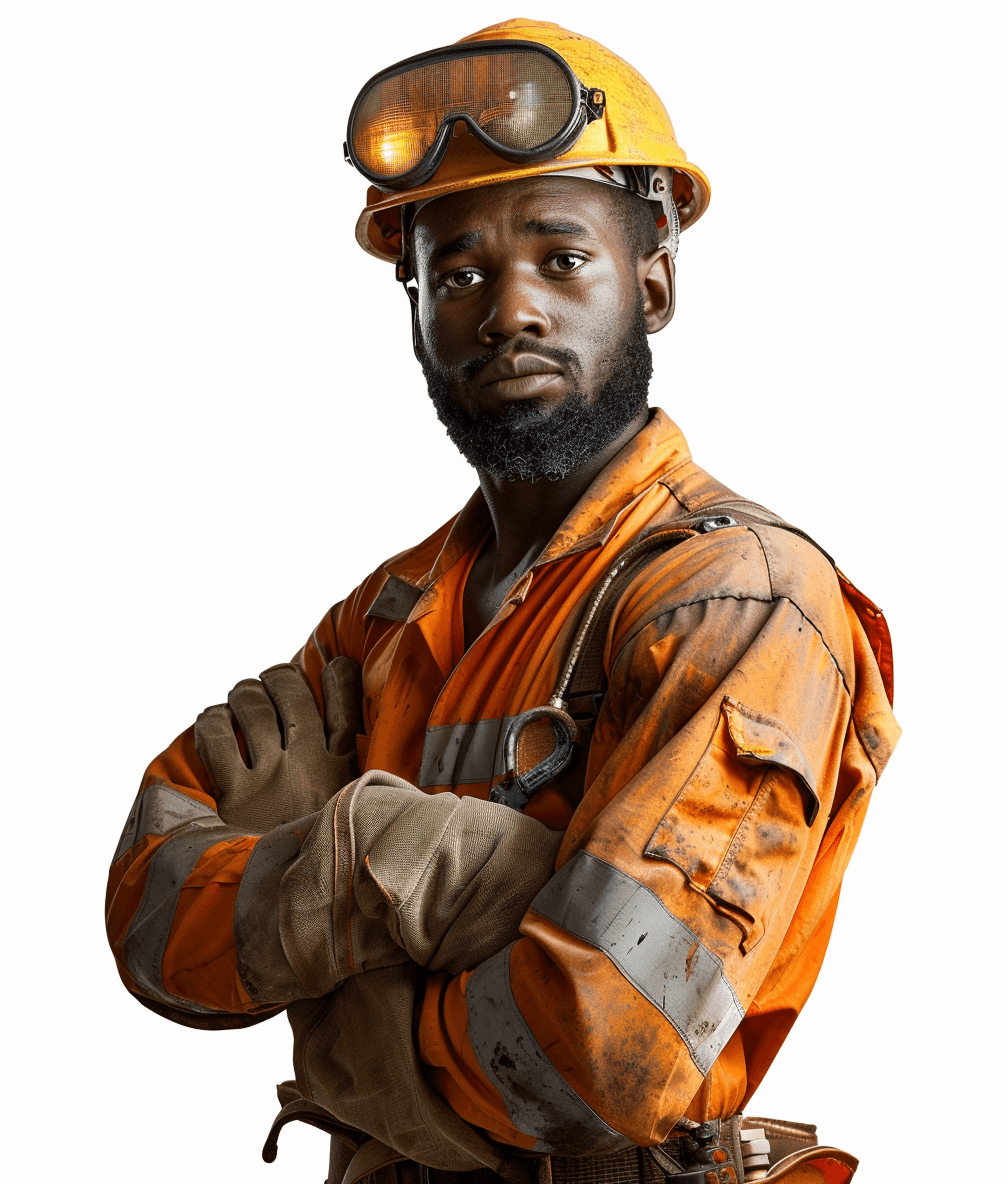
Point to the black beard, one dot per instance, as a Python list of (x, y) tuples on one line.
[(528, 440)]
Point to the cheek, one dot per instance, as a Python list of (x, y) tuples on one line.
[(601, 321), (445, 325)]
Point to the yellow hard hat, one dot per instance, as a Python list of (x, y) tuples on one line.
[(622, 123)]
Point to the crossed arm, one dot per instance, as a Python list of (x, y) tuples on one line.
[(575, 1010)]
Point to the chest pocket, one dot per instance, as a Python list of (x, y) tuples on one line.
[(738, 827)]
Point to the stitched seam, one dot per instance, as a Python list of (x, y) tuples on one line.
[(753, 811), (765, 560), (336, 858), (687, 603), (667, 476), (741, 599), (822, 641), (380, 886), (693, 772), (431, 860), (675, 608), (798, 608), (349, 911)]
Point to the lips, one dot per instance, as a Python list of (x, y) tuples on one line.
[(519, 375)]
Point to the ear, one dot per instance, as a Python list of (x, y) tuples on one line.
[(656, 279)]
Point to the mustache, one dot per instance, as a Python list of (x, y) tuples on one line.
[(566, 358), (527, 441)]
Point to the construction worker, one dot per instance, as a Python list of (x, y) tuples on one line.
[(539, 838)]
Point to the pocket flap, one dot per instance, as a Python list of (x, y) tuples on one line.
[(762, 739)]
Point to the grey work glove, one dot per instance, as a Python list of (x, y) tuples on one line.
[(295, 764)]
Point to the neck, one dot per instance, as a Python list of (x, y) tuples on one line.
[(527, 514)]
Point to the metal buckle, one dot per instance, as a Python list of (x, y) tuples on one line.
[(719, 522), (699, 1157)]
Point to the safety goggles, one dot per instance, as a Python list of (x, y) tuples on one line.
[(521, 99)]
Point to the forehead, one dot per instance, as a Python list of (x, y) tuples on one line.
[(530, 208)]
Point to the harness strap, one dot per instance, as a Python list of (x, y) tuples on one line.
[(585, 674)]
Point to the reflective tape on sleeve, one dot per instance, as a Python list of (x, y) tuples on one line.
[(262, 964), (651, 948), (158, 810), (145, 943), (539, 1101)]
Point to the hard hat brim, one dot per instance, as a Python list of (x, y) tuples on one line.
[(468, 164)]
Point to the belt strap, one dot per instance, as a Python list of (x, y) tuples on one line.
[(303, 1110), (736, 1150)]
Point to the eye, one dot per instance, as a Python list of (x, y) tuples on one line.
[(463, 279), (564, 262)]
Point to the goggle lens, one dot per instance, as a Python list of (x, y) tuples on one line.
[(520, 101)]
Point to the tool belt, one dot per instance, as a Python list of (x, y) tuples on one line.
[(718, 1152), (734, 1150)]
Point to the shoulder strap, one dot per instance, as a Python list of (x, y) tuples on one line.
[(583, 672)]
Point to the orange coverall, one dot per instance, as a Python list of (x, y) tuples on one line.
[(746, 721)]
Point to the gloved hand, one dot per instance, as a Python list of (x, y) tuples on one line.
[(389, 874), (292, 769)]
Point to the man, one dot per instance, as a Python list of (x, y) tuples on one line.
[(660, 711)]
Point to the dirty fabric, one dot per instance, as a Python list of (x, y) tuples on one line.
[(355, 1055), (746, 721)]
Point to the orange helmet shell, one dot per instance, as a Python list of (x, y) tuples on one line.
[(635, 130)]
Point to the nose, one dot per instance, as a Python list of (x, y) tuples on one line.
[(517, 306)]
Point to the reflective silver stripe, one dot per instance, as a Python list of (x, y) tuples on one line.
[(654, 950), (145, 942), (463, 754), (538, 1100), (158, 810)]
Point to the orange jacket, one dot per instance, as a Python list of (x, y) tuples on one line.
[(746, 721)]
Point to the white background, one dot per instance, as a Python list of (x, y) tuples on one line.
[(214, 427)]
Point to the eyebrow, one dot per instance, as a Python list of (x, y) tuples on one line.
[(465, 242), (533, 228), (537, 227)]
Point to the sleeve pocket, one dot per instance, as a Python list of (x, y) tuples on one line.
[(740, 823)]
